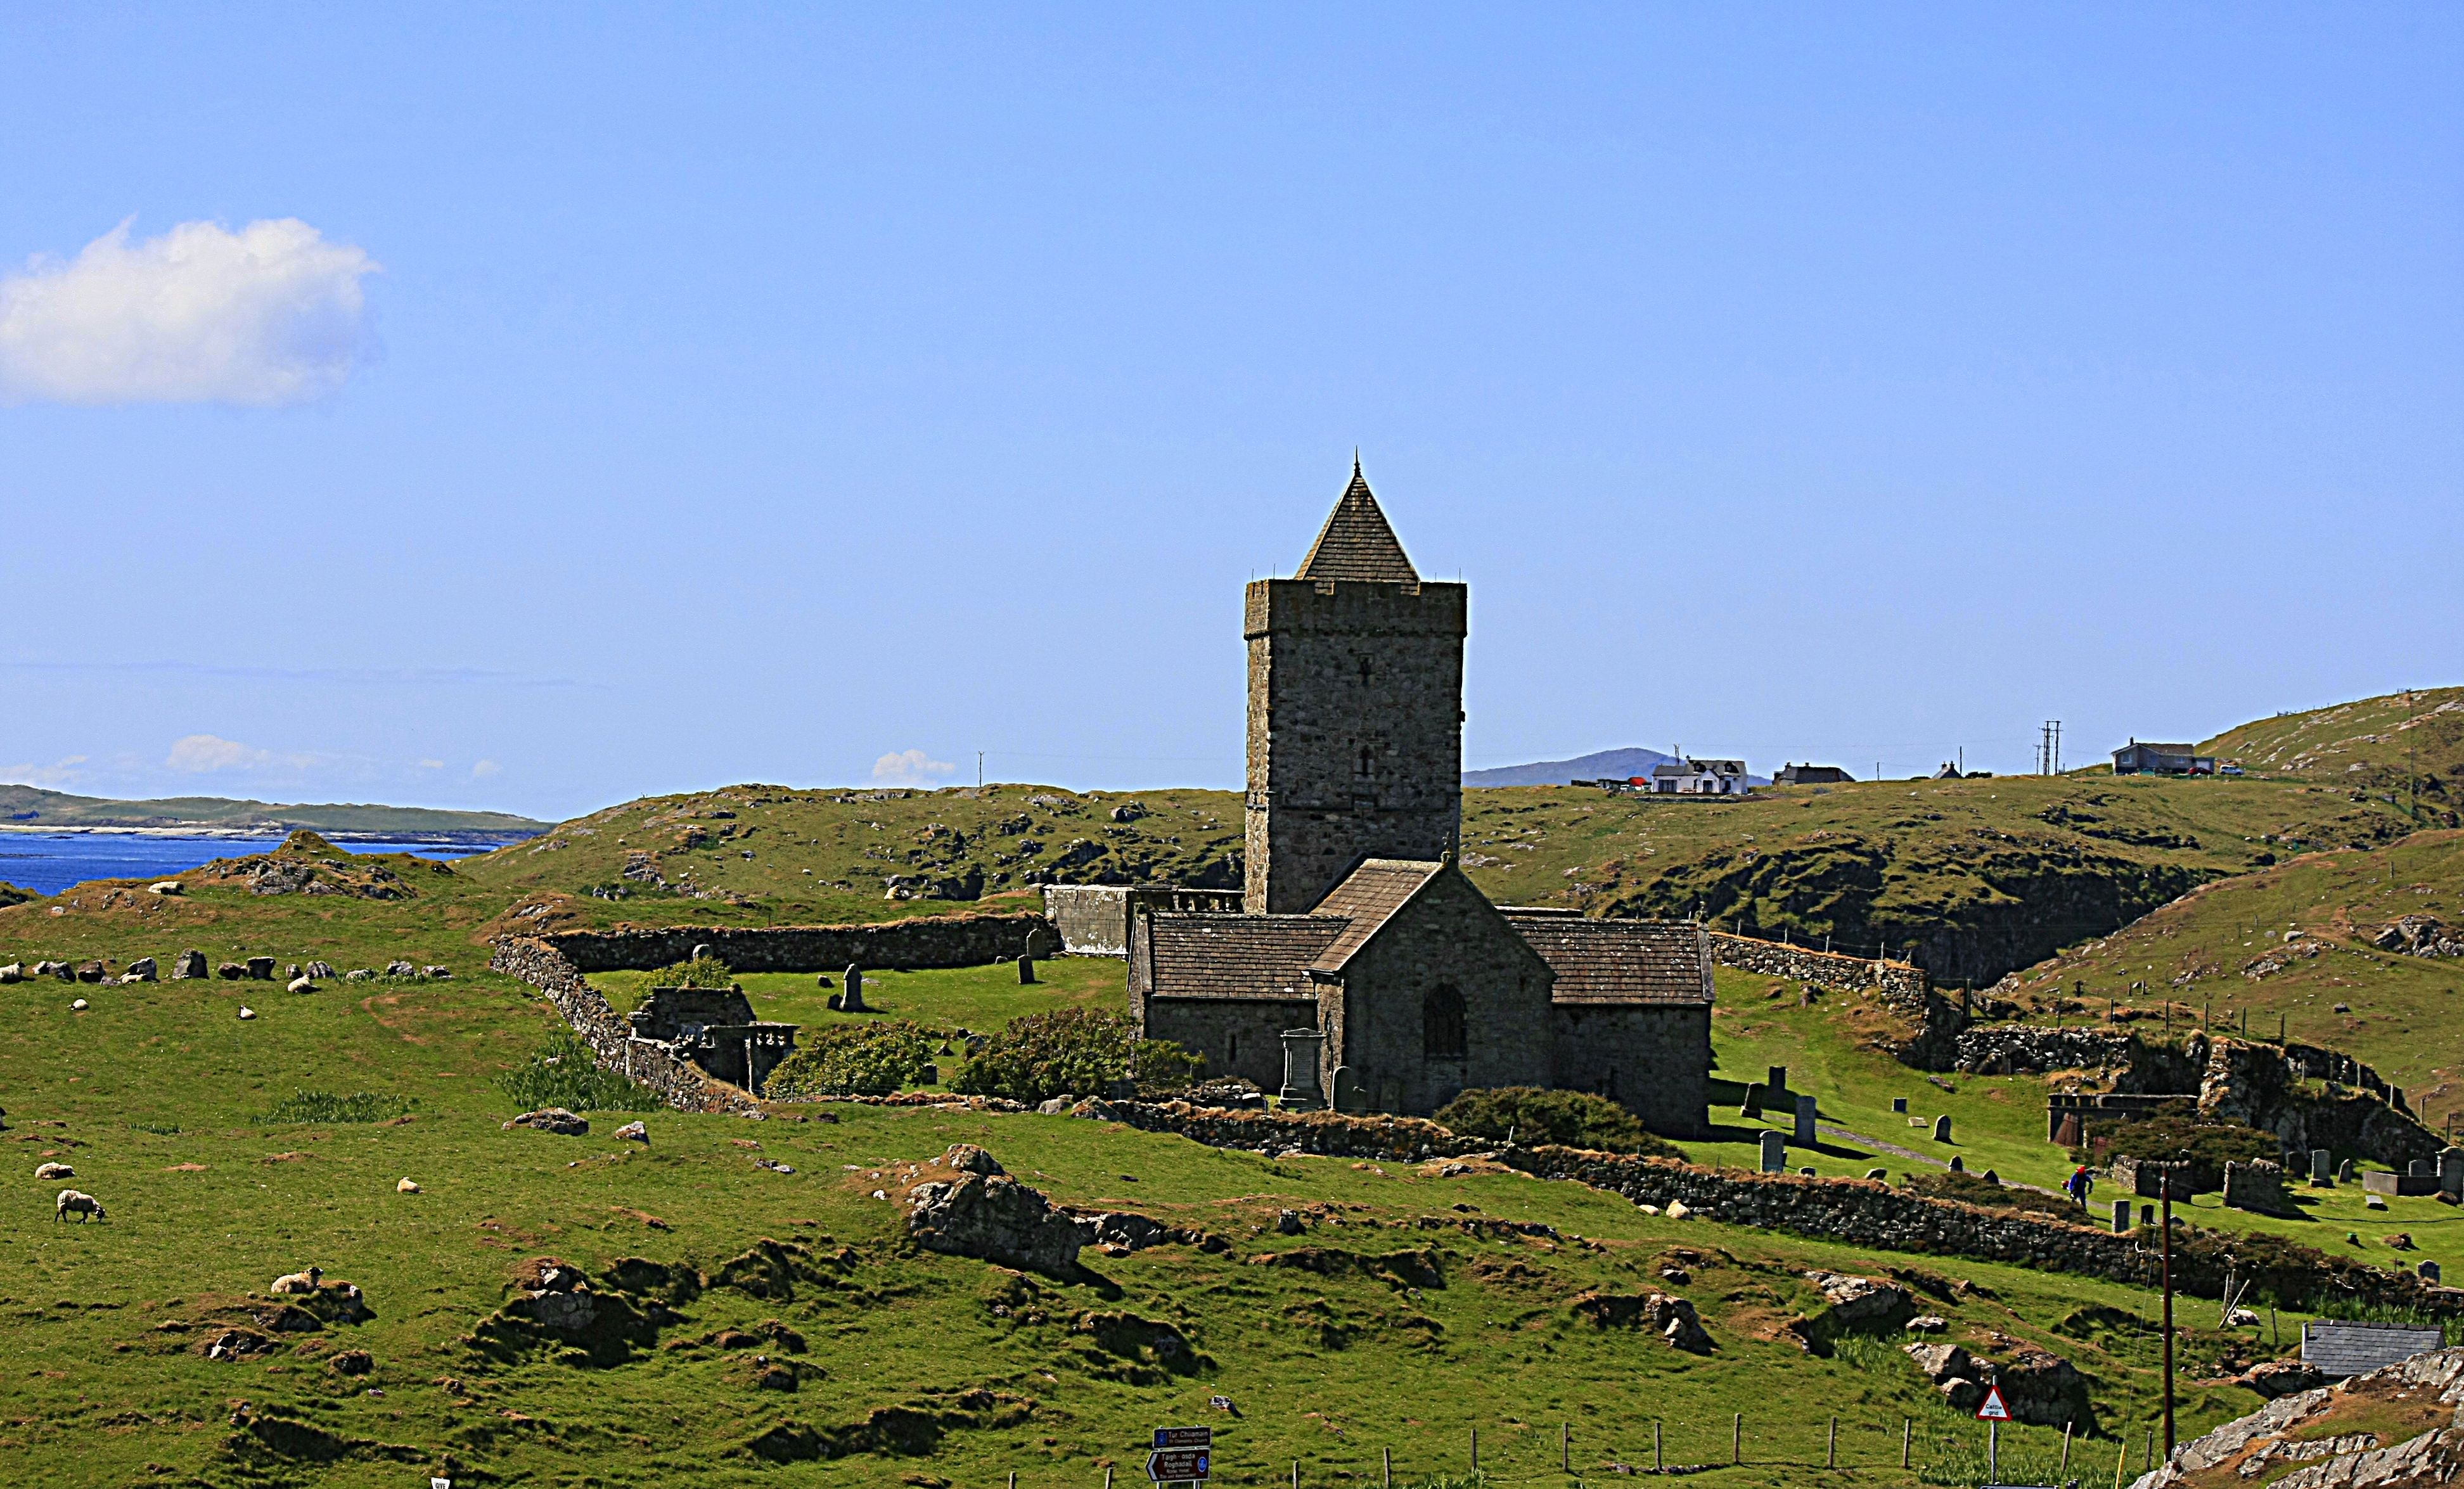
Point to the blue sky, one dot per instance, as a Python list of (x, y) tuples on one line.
[(538, 408)]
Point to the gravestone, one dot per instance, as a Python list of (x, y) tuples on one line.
[(2322, 1167), (1942, 1128), (2428, 1272), (2451, 1171), (851, 1001), (1900, 1104), (701, 954), (2120, 1216), (2147, 1214), (1752, 1105), (1025, 970), (2418, 1169), (1805, 1121), (1958, 1164), (1775, 1084), (2345, 1171), (1775, 1152)]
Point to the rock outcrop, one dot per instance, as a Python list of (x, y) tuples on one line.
[(2424, 1391), (551, 1119), (979, 1210), (2040, 1386)]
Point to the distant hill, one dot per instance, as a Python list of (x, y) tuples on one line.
[(2385, 745), (1616, 764), (31, 806)]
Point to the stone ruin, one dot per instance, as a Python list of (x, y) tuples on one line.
[(714, 1030)]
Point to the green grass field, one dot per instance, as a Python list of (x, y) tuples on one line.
[(2397, 744)]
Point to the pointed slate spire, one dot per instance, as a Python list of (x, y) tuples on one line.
[(1356, 543)]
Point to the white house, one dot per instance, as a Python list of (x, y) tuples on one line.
[(1692, 777)]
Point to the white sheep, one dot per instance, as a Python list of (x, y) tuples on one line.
[(54, 1171), (299, 1283), (86, 1206)]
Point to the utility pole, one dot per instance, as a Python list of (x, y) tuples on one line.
[(979, 769), (2166, 1186)]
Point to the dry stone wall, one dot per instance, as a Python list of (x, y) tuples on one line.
[(1863, 1212), (1898, 982), (678, 1084), (898, 944)]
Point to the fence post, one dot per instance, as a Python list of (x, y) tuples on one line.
[(2121, 1461), (2066, 1447), (1907, 1429), (1565, 1447), (1831, 1446), (1737, 1440), (1475, 1450), (1296, 1473), (1655, 1445), (1385, 1456)]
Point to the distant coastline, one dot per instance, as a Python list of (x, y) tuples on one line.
[(495, 836)]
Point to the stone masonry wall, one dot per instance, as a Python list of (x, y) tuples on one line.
[(1898, 982), (1861, 1211), (679, 1085), (898, 945), (1447, 937)]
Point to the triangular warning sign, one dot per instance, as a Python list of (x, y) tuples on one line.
[(1991, 1408)]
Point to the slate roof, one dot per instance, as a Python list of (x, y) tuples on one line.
[(1237, 956), (1368, 897), (1620, 961), (1356, 543)]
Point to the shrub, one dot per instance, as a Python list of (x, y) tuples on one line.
[(1072, 1051), (855, 1060), (563, 1072), (326, 1107), (708, 973), (2207, 1144), (1568, 1119)]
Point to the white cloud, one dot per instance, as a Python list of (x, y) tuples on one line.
[(485, 769), (431, 765), (199, 755), (63, 772), (909, 768), (270, 313)]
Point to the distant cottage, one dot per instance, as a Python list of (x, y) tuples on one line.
[(1691, 778), (1361, 942), (2136, 758), (1812, 776)]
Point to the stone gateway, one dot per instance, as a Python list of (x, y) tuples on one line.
[(1356, 921)]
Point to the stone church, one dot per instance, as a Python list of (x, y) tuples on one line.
[(1356, 922)]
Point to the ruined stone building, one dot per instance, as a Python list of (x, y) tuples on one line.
[(1356, 921)]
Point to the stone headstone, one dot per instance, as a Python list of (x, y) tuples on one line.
[(1775, 1152), (2345, 1171), (701, 954), (1025, 970), (1752, 1105), (1958, 1164), (1805, 1121), (1900, 1104), (1776, 1084), (2418, 1169), (1808, 1173), (851, 1000), (2428, 1272), (2323, 1167), (1877, 1173), (2147, 1214), (2451, 1171), (1942, 1128), (1348, 1095), (2120, 1216)]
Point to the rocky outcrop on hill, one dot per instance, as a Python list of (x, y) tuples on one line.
[(2419, 935), (979, 1210), (2040, 1386), (2426, 1391)]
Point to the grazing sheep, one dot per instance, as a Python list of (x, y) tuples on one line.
[(86, 1206), (54, 1171), (299, 1283)]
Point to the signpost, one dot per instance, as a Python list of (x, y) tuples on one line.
[(1182, 1456), (1992, 1414)]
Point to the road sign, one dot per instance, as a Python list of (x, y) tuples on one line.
[(1178, 1465), (1991, 1408), (1184, 1436)]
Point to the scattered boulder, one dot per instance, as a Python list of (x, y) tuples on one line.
[(231, 971), (60, 970), (351, 1362), (1926, 1324), (2283, 1378), (167, 887), (551, 1119), (189, 964), (400, 969), (991, 1216), (91, 971), (358, 975), (324, 971), (435, 972), (633, 1133), (1672, 1318), (405, 1186), (246, 1012), (2040, 1386), (142, 970), (77, 1007), (2338, 1435), (300, 985), (261, 968), (14, 972), (235, 1344)]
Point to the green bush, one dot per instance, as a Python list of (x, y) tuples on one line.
[(1073, 1051), (855, 1060), (563, 1072), (326, 1107), (2209, 1144), (708, 973), (1568, 1119)]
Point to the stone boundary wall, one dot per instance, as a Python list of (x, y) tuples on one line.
[(892, 945), (1900, 982), (537, 962), (1862, 1212)]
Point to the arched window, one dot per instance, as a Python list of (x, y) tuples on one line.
[(1442, 1023)]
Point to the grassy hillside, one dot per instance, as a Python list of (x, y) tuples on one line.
[(1980, 876), (2386, 746), (1404, 1317), (2225, 946), (31, 806)]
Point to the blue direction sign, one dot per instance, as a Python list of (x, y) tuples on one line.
[(1184, 1436), (1176, 1465)]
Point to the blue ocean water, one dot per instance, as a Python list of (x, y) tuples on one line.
[(50, 862)]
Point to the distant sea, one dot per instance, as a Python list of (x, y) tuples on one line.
[(50, 862)]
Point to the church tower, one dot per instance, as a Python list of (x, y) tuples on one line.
[(1355, 711)]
